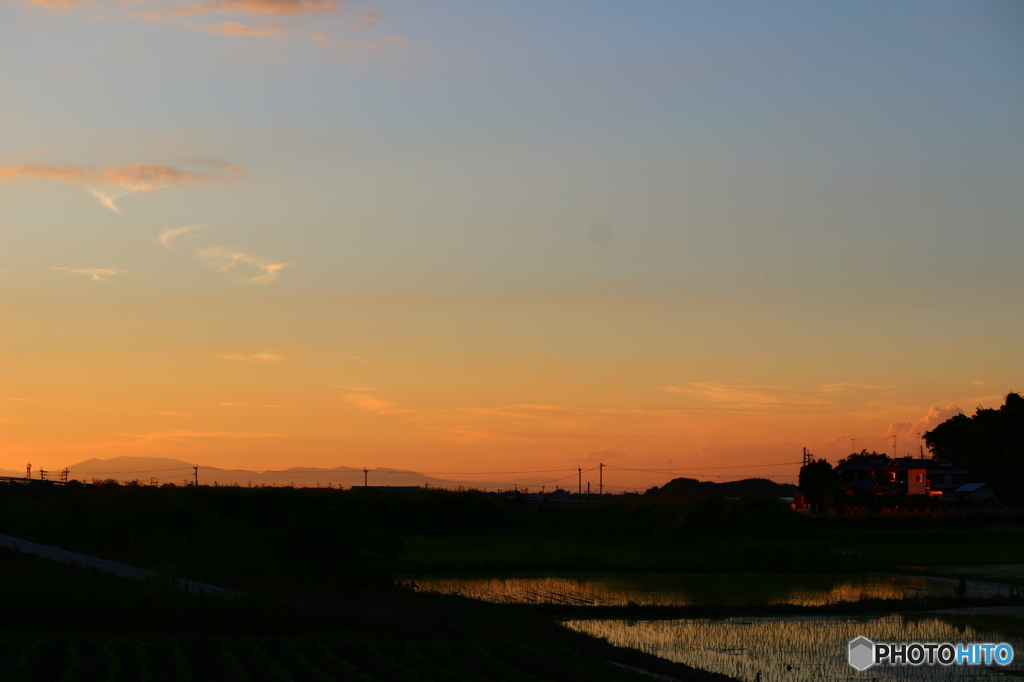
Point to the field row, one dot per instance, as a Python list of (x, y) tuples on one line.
[(71, 658)]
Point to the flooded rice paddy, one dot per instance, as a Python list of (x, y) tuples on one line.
[(797, 649), (700, 589)]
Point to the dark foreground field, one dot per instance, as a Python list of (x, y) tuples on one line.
[(317, 570)]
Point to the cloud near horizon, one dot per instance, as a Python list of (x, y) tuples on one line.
[(109, 183)]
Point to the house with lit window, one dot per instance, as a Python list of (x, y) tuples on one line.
[(907, 475)]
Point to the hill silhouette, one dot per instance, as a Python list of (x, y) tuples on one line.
[(746, 486)]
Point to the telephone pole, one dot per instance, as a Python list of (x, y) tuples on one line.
[(808, 457), (579, 480), (195, 476), (600, 479), (28, 470), (365, 470)]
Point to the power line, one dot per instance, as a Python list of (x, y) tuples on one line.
[(674, 470)]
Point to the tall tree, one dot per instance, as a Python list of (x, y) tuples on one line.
[(990, 444)]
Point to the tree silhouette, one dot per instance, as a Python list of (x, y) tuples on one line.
[(863, 456), (818, 479), (990, 444)]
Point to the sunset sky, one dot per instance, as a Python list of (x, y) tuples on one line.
[(500, 236)]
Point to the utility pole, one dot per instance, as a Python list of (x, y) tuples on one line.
[(195, 476), (894, 446), (808, 457), (28, 470), (42, 474), (579, 480), (600, 478), (365, 470), (64, 475), (853, 446)]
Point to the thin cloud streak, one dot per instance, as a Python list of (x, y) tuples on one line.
[(240, 264), (168, 236), (255, 357), (231, 28), (109, 183), (370, 403), (58, 4), (95, 274), (288, 7), (367, 18), (744, 395)]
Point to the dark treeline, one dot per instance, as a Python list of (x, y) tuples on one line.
[(272, 539), (746, 486), (352, 544), (990, 444)]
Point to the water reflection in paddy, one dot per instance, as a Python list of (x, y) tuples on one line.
[(794, 649), (686, 589)]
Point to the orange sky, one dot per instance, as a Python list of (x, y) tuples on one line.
[(493, 238)]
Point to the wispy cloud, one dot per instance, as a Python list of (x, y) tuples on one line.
[(205, 15), (602, 455), (96, 274), (168, 236), (743, 395), (907, 432), (254, 357), (231, 28), (58, 4), (387, 44), (255, 7), (242, 266), (836, 388), (109, 183), (367, 18), (370, 402)]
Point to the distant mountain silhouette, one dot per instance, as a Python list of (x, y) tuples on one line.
[(747, 486), (166, 470)]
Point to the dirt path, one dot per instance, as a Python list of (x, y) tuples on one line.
[(112, 567)]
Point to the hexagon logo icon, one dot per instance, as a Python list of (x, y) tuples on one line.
[(862, 653)]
